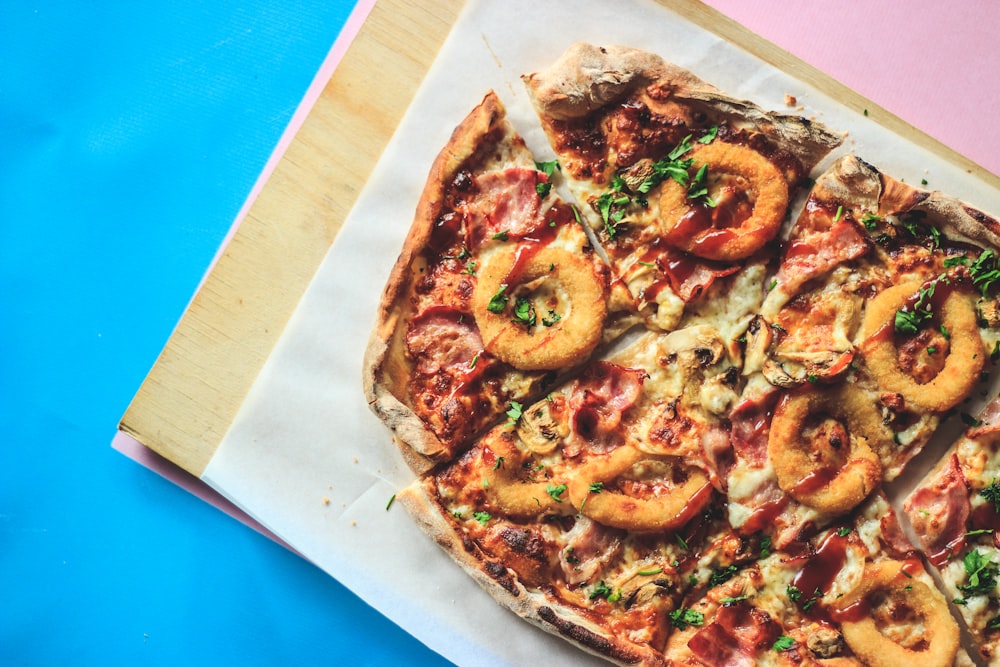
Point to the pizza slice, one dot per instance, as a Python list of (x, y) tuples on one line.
[(681, 182), (589, 512), (955, 512), (496, 289), (877, 323), (852, 594)]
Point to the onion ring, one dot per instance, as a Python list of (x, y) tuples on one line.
[(769, 191), (806, 473), (555, 281), (511, 494), (611, 508), (867, 641), (965, 355)]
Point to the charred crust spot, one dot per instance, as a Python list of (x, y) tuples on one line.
[(587, 638), (501, 576), (525, 542), (983, 219)]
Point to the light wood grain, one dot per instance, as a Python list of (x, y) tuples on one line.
[(192, 394), (190, 397)]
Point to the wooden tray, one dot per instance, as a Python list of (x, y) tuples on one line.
[(190, 397)]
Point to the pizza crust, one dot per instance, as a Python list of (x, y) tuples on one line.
[(587, 77), (568, 602), (851, 179), (503, 585), (386, 368)]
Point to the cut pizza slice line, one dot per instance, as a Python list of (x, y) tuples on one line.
[(955, 513), (877, 324), (597, 503), (496, 291), (851, 595), (709, 490), (681, 182)]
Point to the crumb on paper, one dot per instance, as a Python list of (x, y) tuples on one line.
[(355, 459), (353, 522), (326, 500), (790, 100)]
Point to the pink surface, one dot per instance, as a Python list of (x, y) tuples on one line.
[(886, 51), (931, 63)]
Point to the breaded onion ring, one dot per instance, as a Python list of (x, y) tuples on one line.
[(567, 298), (965, 355), (682, 219), (834, 476), (864, 637), (511, 494), (691, 491)]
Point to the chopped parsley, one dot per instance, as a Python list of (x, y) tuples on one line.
[(482, 517), (817, 594), (793, 593), (609, 205), (839, 215), (596, 487), (982, 574), (500, 236), (710, 136), (910, 321), (765, 546), (552, 318), (601, 590), (698, 189), (514, 413), (681, 542), (984, 271), (392, 499), (548, 168), (556, 491), (543, 189), (870, 221), (499, 301), (844, 531), (524, 312), (729, 601), (669, 167), (499, 463), (783, 643), (992, 494), (683, 617), (721, 575)]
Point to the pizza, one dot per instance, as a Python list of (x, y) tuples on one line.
[(955, 510), (658, 392)]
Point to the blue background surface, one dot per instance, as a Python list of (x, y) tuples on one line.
[(131, 135)]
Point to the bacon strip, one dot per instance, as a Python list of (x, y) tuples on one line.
[(508, 201), (738, 632), (939, 511), (596, 404)]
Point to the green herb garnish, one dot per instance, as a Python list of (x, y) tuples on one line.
[(683, 617), (783, 643), (499, 301)]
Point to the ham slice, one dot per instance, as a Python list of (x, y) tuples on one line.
[(602, 394), (939, 510)]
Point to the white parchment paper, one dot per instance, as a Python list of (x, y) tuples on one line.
[(307, 458)]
